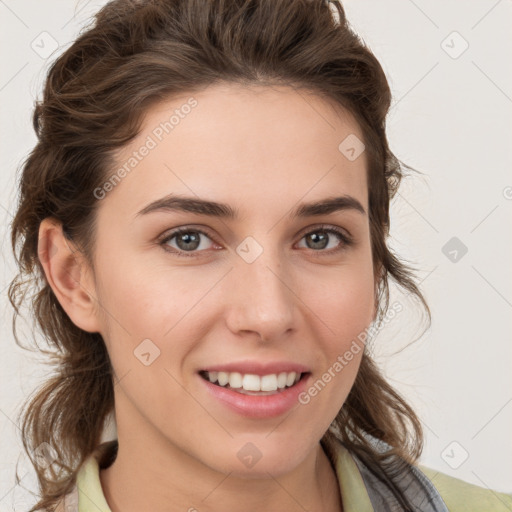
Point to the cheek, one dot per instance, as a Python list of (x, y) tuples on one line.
[(344, 301), (144, 300), (344, 310), (146, 309)]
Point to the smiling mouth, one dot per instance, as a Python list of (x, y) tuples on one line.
[(250, 384)]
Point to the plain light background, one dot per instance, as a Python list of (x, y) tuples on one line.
[(448, 64)]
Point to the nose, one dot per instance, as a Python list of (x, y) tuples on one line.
[(262, 298)]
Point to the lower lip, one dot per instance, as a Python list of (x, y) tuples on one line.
[(254, 406)]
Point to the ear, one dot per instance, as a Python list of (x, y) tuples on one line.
[(69, 275)]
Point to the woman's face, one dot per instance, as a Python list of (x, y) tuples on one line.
[(262, 292)]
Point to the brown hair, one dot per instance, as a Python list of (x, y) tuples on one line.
[(137, 53)]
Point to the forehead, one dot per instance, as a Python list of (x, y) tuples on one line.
[(241, 144)]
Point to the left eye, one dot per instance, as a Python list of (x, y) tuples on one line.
[(319, 238), (188, 240)]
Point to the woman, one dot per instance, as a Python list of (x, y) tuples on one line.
[(207, 207)]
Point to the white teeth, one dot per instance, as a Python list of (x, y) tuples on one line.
[(290, 379), (251, 382), (223, 378), (281, 380), (269, 383), (235, 380)]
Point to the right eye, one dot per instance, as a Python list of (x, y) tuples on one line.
[(188, 240)]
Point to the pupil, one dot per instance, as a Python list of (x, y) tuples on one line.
[(187, 239), (322, 238)]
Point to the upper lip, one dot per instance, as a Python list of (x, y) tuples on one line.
[(258, 367)]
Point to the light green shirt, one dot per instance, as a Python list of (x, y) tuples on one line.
[(459, 496)]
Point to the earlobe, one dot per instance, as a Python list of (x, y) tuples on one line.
[(68, 275)]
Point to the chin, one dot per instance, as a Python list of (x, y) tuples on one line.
[(258, 459)]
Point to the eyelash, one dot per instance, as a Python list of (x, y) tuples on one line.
[(346, 240)]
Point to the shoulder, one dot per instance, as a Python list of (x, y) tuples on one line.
[(461, 496), (428, 489), (87, 479)]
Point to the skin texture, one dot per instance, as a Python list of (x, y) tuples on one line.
[(263, 151)]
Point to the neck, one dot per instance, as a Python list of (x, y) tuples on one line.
[(150, 473)]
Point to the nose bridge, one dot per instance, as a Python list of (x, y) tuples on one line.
[(260, 266)]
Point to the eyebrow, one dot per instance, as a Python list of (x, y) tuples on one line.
[(179, 203)]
